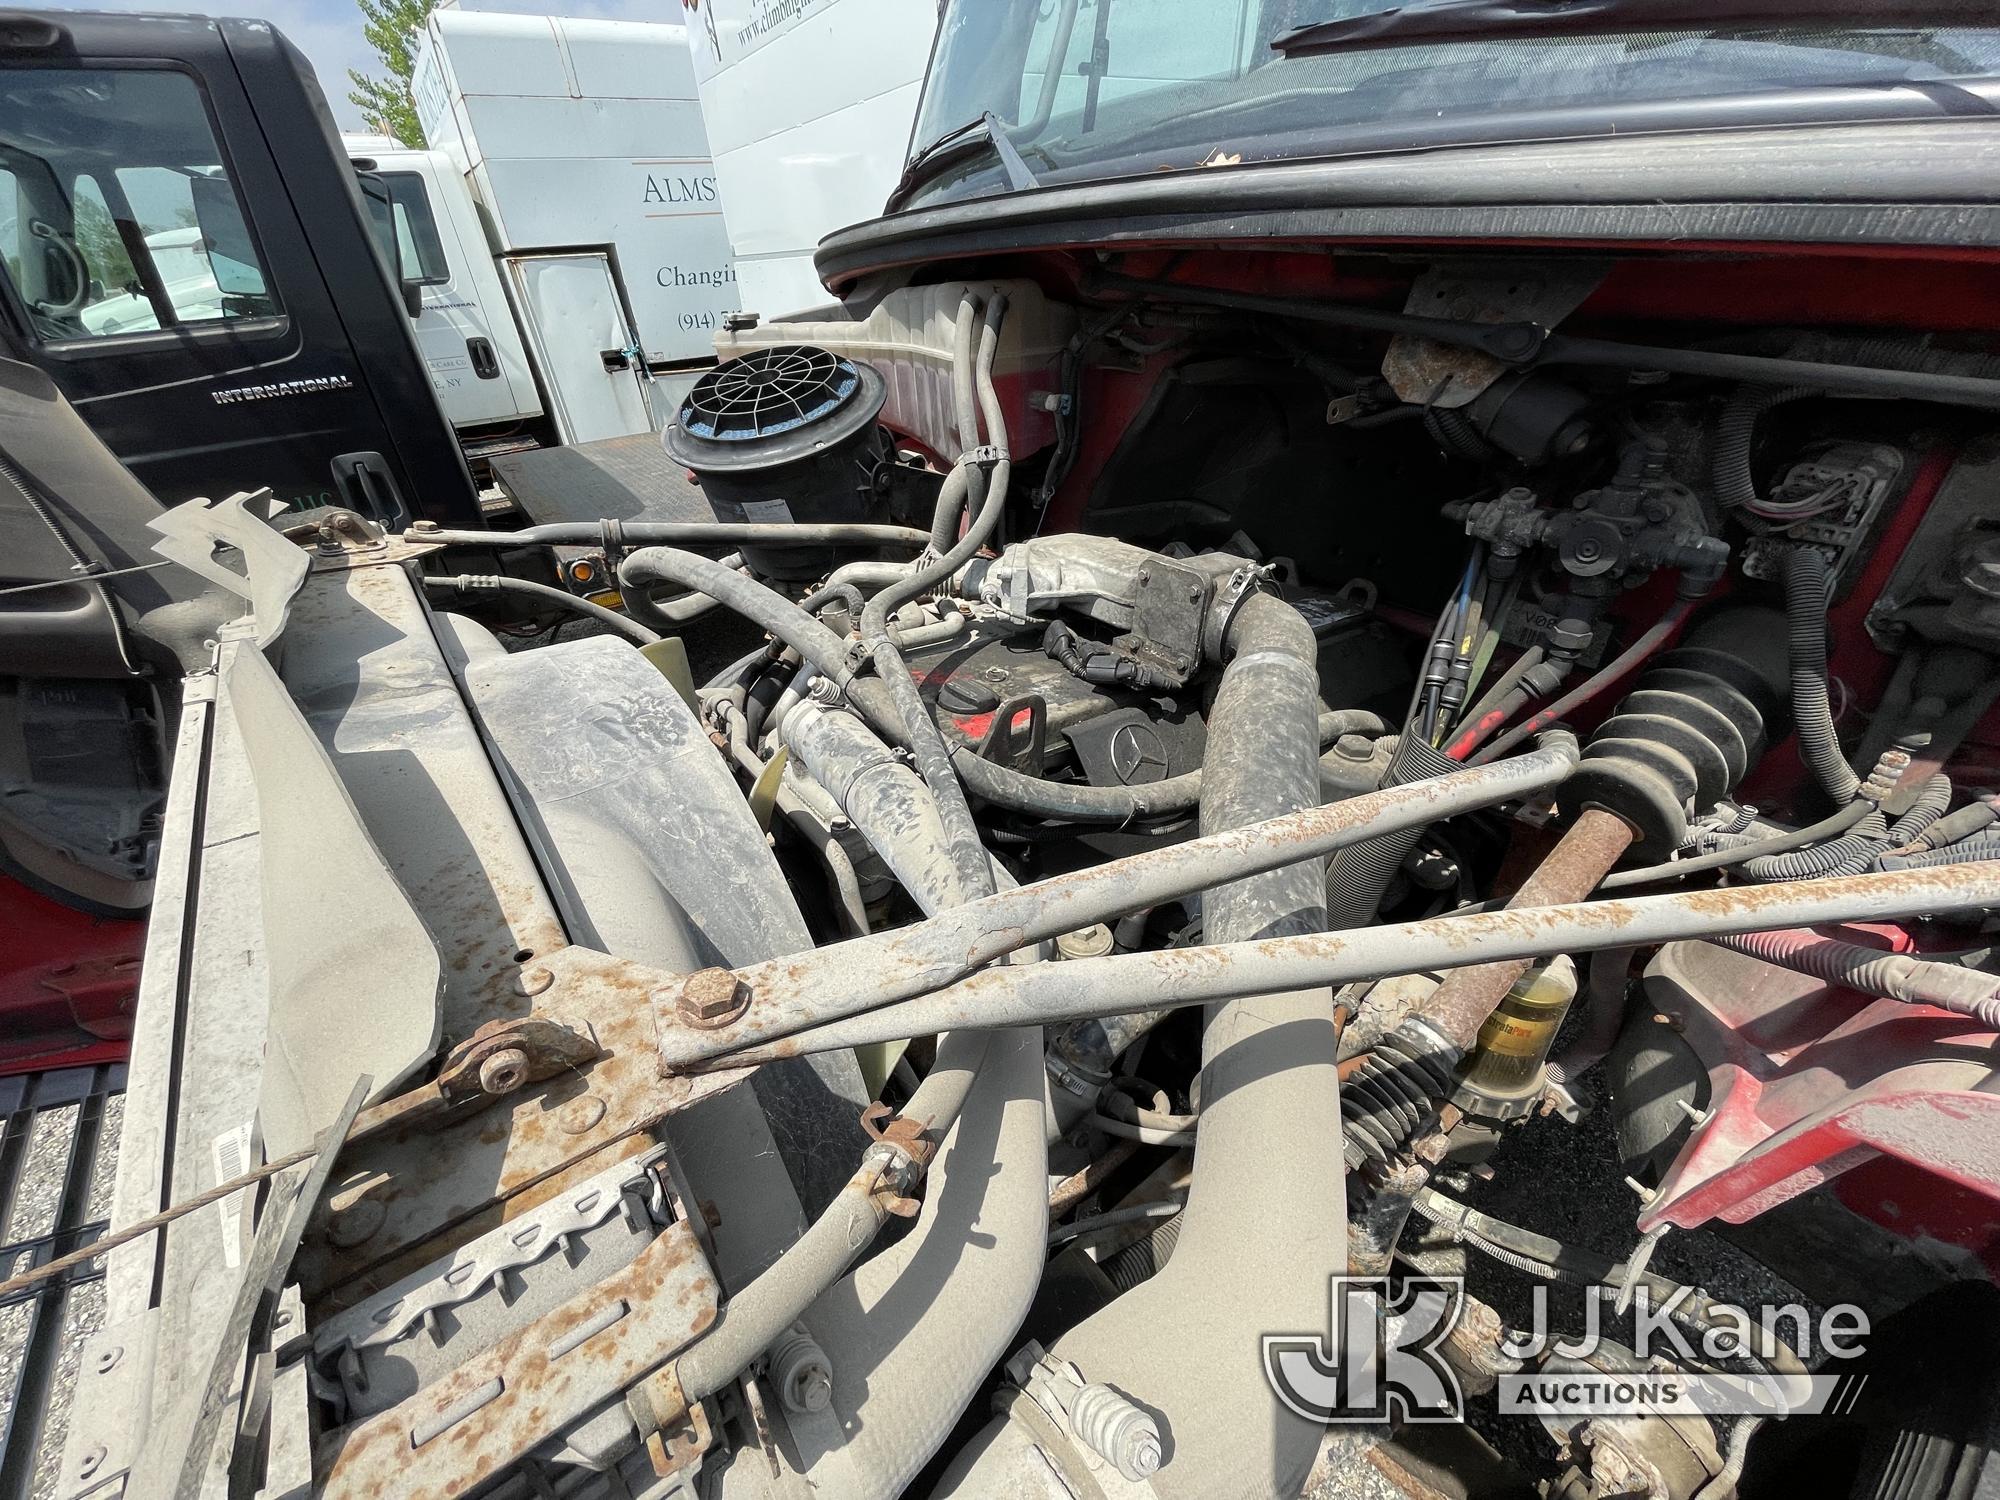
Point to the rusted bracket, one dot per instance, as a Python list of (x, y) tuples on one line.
[(520, 1109), (499, 1058), (909, 1142), (485, 1414)]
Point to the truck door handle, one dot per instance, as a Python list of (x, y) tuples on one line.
[(485, 363), (368, 488)]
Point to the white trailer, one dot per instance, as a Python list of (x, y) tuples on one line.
[(808, 105), (583, 145)]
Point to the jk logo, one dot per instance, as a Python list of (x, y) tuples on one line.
[(1378, 1361)]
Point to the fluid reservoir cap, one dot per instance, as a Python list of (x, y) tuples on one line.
[(773, 405)]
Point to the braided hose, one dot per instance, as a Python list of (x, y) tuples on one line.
[(1893, 976)]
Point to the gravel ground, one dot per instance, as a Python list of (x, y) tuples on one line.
[(34, 1213)]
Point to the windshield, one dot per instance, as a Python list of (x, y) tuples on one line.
[(1096, 87)]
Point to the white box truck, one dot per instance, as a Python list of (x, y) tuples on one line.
[(582, 145), (465, 326), (808, 105)]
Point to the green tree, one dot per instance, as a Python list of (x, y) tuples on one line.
[(391, 27)]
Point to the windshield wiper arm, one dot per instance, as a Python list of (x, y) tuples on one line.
[(1477, 20), (987, 130)]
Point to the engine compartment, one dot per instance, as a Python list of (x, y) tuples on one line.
[(1235, 757)]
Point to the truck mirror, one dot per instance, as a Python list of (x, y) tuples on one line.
[(232, 259), (382, 225)]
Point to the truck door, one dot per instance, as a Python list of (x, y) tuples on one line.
[(185, 254), (474, 364)]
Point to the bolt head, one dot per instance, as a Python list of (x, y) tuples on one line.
[(813, 1389), (107, 1359), (1143, 1456), (504, 1071), (537, 979), (712, 997), (91, 1462)]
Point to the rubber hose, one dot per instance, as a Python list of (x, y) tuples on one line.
[(1970, 852), (547, 595), (920, 730), (961, 485), (1081, 802), (1973, 818), (1267, 1063), (1849, 855), (747, 597), (1806, 605), (1774, 844), (911, 1334)]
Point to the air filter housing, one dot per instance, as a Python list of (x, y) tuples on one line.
[(785, 434)]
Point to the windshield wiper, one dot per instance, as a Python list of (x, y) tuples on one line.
[(987, 130), (1477, 20)]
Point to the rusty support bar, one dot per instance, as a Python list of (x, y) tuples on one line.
[(804, 990), (1046, 993), (1571, 871)]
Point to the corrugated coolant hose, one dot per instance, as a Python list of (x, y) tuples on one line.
[(1358, 877), (1806, 604)]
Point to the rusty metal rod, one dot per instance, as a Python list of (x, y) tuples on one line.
[(845, 979), (1047, 993), (1570, 871)]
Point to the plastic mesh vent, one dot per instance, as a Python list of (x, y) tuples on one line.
[(768, 392)]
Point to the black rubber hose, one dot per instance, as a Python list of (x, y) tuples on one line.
[(1777, 843), (1806, 604), (1849, 855), (1871, 837), (836, 593), (1735, 431), (1359, 875), (1080, 802), (547, 596)]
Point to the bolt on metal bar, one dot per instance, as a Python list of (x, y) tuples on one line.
[(1042, 994), (790, 994)]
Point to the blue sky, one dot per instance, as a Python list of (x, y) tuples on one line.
[(329, 31)]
